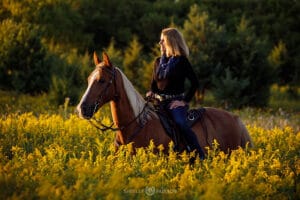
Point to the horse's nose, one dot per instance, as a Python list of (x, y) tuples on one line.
[(84, 110)]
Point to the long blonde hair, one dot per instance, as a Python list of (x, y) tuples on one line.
[(174, 42)]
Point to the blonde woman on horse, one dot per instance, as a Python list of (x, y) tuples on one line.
[(170, 72)]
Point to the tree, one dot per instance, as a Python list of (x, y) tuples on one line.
[(133, 62), (246, 59), (68, 74), (23, 63), (205, 40), (115, 55), (147, 69), (276, 20), (233, 65)]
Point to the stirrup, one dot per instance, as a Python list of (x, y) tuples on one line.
[(188, 148)]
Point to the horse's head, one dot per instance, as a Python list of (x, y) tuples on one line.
[(101, 87)]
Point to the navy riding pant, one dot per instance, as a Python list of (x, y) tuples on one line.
[(179, 116)]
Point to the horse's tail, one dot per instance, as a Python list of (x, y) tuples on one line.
[(245, 136)]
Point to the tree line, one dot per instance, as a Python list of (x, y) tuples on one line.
[(238, 47)]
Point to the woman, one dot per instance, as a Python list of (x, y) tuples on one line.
[(168, 82)]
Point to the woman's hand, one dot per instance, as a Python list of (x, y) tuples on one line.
[(176, 103), (149, 94)]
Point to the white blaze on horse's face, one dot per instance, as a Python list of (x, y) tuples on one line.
[(86, 107), (97, 92)]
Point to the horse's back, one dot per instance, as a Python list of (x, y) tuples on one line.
[(223, 126)]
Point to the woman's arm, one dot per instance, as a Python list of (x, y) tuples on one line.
[(192, 77)]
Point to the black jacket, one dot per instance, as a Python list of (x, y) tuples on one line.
[(174, 84)]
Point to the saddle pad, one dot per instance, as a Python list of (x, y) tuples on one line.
[(194, 115), (169, 125)]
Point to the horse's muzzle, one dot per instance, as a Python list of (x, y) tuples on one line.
[(85, 111)]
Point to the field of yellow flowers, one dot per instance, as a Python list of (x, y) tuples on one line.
[(59, 156)]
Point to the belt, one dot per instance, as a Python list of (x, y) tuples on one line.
[(163, 97)]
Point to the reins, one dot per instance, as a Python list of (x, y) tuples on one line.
[(104, 127)]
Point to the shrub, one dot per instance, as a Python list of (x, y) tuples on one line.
[(23, 63), (68, 75)]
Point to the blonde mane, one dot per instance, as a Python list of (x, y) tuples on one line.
[(137, 102)]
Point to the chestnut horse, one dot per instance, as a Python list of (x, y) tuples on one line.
[(136, 121)]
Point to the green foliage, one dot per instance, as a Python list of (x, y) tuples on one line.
[(205, 40), (115, 55), (248, 55), (278, 54), (232, 64), (229, 90), (147, 70), (245, 56), (61, 19), (277, 20), (272, 19), (133, 61), (122, 19), (23, 63), (69, 75)]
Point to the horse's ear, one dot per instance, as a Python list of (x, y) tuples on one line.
[(106, 60), (96, 59)]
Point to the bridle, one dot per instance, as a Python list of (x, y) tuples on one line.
[(96, 122), (104, 91)]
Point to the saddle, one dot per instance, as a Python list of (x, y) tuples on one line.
[(171, 128)]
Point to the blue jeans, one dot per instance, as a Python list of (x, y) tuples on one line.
[(179, 116)]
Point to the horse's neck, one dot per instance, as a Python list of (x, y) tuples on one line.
[(124, 118), (123, 113)]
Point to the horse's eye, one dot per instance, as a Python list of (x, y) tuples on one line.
[(101, 80)]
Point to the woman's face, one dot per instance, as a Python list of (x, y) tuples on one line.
[(163, 45), (162, 42)]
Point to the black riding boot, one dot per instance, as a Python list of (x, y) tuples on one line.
[(178, 115), (193, 143)]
